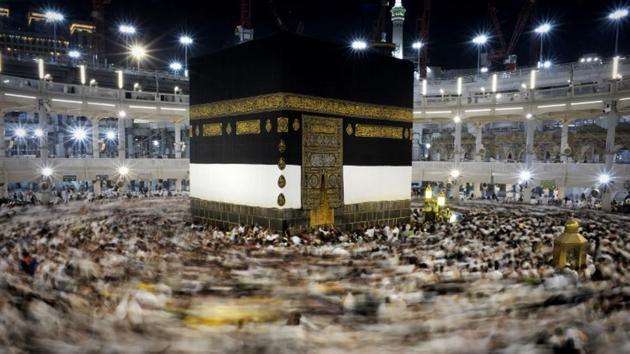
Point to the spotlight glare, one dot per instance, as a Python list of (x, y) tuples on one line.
[(175, 66), (79, 134), (359, 45), (74, 54), (47, 171), (110, 135), (53, 16), (20, 132), (525, 176), (417, 45), (127, 29), (122, 114), (156, 143), (603, 178), (455, 173), (480, 39), (457, 119), (138, 51), (185, 39), (618, 14), (39, 132), (123, 171), (529, 116), (543, 28)]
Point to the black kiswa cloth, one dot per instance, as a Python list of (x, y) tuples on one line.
[(287, 62)]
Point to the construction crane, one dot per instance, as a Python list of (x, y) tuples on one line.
[(425, 22), (379, 34), (504, 54), (98, 14), (244, 30)]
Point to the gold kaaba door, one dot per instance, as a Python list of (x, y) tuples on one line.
[(322, 168)]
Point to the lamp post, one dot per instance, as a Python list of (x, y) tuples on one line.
[(480, 41), (54, 17), (126, 31), (542, 30), (617, 16), (418, 47), (186, 41)]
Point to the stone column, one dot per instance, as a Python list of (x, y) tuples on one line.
[(178, 185), (96, 153), (530, 128), (477, 190), (612, 119), (478, 136), (527, 194), (564, 140), (42, 117), (458, 142), (178, 140), (121, 138), (130, 149), (562, 192), (97, 187)]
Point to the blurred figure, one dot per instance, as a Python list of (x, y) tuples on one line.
[(28, 263)]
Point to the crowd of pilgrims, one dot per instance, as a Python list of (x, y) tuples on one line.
[(137, 275), (66, 195), (546, 197)]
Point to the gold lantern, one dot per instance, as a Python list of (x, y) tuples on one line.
[(428, 192), (441, 200), (569, 249)]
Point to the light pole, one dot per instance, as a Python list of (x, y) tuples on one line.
[(54, 17), (542, 30), (126, 32), (186, 41), (617, 16), (418, 47), (480, 41), (138, 52)]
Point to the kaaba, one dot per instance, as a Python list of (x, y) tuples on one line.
[(289, 131)]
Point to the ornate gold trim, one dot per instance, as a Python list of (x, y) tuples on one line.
[(281, 200), (302, 103), (283, 125), (244, 127), (349, 129), (228, 129), (268, 126), (296, 124), (378, 131), (282, 146), (212, 129), (282, 164), (196, 130), (282, 181)]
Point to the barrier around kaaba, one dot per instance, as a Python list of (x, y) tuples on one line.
[(289, 131)]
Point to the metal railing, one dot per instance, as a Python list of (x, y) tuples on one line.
[(35, 86)]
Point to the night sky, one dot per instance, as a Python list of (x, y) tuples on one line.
[(581, 26)]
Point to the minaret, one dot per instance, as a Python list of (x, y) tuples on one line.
[(398, 17)]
